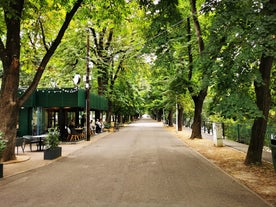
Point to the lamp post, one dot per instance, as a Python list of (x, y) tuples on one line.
[(87, 79), (87, 89)]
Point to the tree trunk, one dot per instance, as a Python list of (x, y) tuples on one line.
[(159, 115), (199, 98), (263, 97), (197, 26), (263, 100), (9, 122), (170, 118), (180, 117), (9, 106), (196, 126), (120, 119), (109, 112), (101, 84), (10, 103)]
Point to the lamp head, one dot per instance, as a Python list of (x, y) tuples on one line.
[(76, 79)]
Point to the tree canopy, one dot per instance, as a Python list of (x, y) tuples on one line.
[(207, 57)]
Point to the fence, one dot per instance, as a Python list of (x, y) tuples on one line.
[(240, 132)]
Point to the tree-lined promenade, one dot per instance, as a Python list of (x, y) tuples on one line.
[(141, 165), (210, 59)]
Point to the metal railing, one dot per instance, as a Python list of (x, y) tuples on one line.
[(240, 132)]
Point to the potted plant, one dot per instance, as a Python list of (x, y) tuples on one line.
[(2, 148), (51, 142)]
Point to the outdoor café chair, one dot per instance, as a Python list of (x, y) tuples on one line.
[(20, 143)]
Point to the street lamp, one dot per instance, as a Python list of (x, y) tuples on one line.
[(77, 79), (87, 88), (87, 78)]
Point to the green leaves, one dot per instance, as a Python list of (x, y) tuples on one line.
[(239, 105), (52, 139), (2, 144), (179, 85), (240, 35)]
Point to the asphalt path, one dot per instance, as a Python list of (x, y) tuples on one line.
[(142, 165)]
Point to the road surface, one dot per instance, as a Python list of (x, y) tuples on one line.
[(142, 165)]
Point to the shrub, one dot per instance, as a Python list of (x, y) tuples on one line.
[(2, 144), (52, 139)]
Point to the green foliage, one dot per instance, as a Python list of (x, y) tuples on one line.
[(69, 59), (107, 125), (235, 32), (179, 85), (40, 24), (239, 36), (2, 144), (52, 139), (238, 106), (126, 98)]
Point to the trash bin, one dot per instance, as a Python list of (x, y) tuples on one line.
[(273, 150)]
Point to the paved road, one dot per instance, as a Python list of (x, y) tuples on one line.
[(142, 165)]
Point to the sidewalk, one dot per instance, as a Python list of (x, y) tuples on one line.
[(236, 145), (30, 160)]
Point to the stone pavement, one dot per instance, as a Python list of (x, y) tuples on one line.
[(30, 160), (34, 159), (150, 167)]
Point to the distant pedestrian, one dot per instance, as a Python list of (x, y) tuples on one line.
[(98, 126), (72, 124), (102, 125), (92, 127)]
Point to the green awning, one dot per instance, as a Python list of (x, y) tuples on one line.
[(65, 97), (30, 101), (98, 102), (59, 98)]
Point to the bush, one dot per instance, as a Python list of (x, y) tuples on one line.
[(107, 125), (52, 140), (2, 144)]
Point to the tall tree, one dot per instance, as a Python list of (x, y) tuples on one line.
[(198, 97), (165, 45), (164, 42), (245, 31), (262, 88), (116, 40), (12, 15)]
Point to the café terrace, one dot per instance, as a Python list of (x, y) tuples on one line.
[(47, 108)]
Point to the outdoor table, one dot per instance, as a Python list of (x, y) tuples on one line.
[(79, 130), (40, 139)]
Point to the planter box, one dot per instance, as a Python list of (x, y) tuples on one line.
[(51, 154)]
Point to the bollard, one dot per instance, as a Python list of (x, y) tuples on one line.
[(217, 134)]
